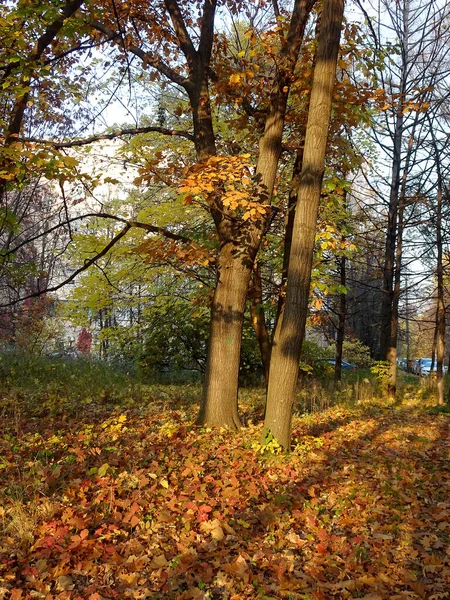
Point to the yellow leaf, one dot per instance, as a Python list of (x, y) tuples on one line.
[(158, 562), (235, 78), (103, 470)]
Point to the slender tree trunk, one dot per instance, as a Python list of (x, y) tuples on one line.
[(391, 352), (292, 201), (291, 326), (340, 333), (259, 321), (391, 235), (440, 313), (435, 339), (440, 346), (341, 323), (408, 344)]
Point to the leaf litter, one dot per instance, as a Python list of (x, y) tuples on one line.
[(110, 504)]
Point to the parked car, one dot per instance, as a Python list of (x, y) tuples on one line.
[(423, 367), (345, 366), (415, 367), (402, 363)]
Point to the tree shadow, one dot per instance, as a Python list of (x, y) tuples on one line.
[(146, 507)]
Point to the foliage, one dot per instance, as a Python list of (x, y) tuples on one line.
[(84, 341), (354, 352), (313, 359), (132, 501), (381, 370)]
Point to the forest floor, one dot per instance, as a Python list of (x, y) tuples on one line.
[(132, 501)]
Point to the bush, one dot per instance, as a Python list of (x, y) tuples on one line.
[(354, 352)]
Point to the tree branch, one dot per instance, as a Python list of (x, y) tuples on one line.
[(146, 57), (86, 265), (138, 224), (111, 136), (53, 29), (207, 31), (184, 40)]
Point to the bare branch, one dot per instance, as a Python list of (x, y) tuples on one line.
[(111, 136), (86, 265), (151, 228), (146, 57)]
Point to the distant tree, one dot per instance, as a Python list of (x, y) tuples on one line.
[(84, 341)]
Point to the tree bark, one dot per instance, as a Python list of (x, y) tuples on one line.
[(391, 235), (291, 327), (219, 405), (341, 323), (440, 312), (240, 244), (259, 321), (391, 342), (292, 201)]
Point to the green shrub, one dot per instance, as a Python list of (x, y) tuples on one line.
[(354, 352)]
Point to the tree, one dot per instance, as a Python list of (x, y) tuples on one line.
[(409, 76), (290, 330)]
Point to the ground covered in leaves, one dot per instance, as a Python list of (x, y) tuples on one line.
[(134, 502)]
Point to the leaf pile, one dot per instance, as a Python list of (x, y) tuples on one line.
[(137, 503)]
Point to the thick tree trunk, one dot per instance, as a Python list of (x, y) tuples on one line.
[(240, 244), (259, 320), (291, 327), (219, 403)]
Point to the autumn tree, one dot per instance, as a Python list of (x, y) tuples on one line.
[(290, 331), (410, 74)]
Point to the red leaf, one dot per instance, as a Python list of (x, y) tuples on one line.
[(322, 548)]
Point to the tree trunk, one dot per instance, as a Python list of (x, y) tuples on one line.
[(259, 321), (292, 201), (341, 323), (291, 326), (391, 234), (440, 312), (240, 244), (219, 403), (435, 339), (440, 317), (391, 350)]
